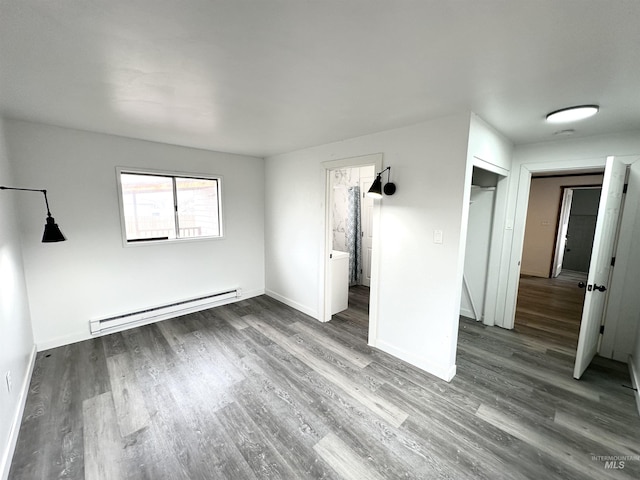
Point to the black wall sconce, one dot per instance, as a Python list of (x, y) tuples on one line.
[(376, 187), (52, 232)]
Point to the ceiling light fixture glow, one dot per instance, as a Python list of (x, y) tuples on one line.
[(572, 114)]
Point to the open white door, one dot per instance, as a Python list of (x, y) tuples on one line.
[(602, 252)]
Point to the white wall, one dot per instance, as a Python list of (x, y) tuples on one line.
[(419, 281), (16, 338), (92, 274), (489, 151), (488, 148)]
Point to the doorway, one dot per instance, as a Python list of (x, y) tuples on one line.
[(513, 262), (604, 246), (576, 228), (351, 225), (558, 238), (482, 201)]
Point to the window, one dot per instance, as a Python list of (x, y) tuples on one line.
[(159, 206)]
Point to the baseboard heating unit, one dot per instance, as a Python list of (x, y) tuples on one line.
[(123, 321)]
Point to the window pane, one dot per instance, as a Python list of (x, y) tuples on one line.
[(148, 206), (197, 207)]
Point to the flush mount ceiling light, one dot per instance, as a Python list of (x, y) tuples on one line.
[(572, 114)]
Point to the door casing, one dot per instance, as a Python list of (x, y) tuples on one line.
[(514, 231), (327, 242)]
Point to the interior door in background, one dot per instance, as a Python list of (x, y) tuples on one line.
[(581, 229), (600, 266), (563, 226), (367, 229)]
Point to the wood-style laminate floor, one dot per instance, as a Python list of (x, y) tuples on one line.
[(257, 390), (551, 308)]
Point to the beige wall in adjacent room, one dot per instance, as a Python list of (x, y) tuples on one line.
[(542, 219)]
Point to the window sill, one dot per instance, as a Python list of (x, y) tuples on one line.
[(139, 243)]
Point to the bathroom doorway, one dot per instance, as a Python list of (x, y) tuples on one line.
[(351, 222), (352, 213)]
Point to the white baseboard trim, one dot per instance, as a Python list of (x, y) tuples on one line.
[(250, 294), (293, 304), (635, 380), (445, 372), (7, 455), (81, 336), (62, 341)]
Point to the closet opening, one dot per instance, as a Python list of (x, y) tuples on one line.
[(478, 247)]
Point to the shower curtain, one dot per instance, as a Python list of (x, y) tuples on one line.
[(354, 236)]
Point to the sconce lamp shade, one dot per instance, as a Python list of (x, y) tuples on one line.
[(52, 232), (376, 188)]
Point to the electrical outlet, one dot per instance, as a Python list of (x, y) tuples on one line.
[(9, 385)]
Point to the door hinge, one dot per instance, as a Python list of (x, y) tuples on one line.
[(601, 329), (613, 261)]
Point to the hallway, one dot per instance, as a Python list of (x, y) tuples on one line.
[(550, 309)]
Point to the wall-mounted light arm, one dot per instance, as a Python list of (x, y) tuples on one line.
[(52, 232), (376, 187)]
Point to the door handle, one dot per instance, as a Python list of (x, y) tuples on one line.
[(600, 288), (581, 284)]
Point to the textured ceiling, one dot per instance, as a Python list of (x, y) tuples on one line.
[(263, 77)]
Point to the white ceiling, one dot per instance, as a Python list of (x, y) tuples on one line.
[(269, 76)]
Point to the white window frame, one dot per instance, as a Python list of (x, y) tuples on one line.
[(173, 174)]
